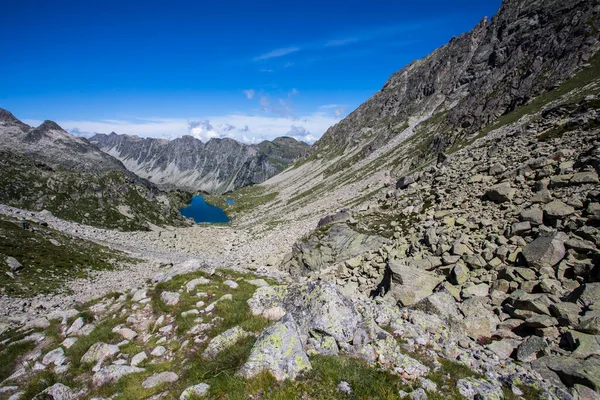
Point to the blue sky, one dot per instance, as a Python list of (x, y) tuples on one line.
[(244, 69)]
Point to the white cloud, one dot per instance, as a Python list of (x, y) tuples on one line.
[(293, 92), (276, 53), (205, 131), (300, 133), (242, 127), (249, 94)]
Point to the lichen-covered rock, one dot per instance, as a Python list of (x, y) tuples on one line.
[(390, 355), (98, 352), (113, 373), (315, 305), (224, 341), (472, 388), (279, 350), (329, 245), (58, 391)]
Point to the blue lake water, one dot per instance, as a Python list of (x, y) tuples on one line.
[(229, 201), (201, 211)]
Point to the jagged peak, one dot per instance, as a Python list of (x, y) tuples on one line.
[(48, 125), (8, 117)]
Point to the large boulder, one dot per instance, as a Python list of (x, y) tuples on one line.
[(410, 285), (570, 370), (316, 306), (545, 251), (329, 245), (279, 350)]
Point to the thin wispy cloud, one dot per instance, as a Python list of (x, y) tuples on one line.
[(341, 42), (249, 94), (276, 53), (352, 38)]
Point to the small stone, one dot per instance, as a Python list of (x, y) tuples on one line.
[(460, 274), (56, 357), (534, 215), (344, 387), (531, 349), (501, 192), (98, 352), (585, 177), (158, 351), (518, 228), (139, 295), (138, 358), (113, 373), (170, 298), (126, 333), (557, 210), (231, 284), (159, 379), (480, 290), (13, 264), (191, 285), (541, 321), (198, 390), (503, 348)]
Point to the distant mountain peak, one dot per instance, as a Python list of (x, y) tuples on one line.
[(48, 125), (7, 118)]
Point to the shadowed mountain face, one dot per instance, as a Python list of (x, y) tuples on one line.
[(218, 166), (47, 168)]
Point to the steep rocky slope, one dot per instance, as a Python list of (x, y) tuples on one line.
[(500, 240), (528, 55), (218, 166), (47, 168)]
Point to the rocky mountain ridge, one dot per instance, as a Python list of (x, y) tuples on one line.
[(48, 168), (218, 166)]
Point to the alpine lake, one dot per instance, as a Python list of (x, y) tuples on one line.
[(203, 213)]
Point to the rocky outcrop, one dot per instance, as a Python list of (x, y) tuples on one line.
[(218, 166), (329, 245), (508, 257)]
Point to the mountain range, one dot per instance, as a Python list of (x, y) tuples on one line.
[(217, 166)]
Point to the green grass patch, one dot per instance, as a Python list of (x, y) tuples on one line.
[(47, 266)]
